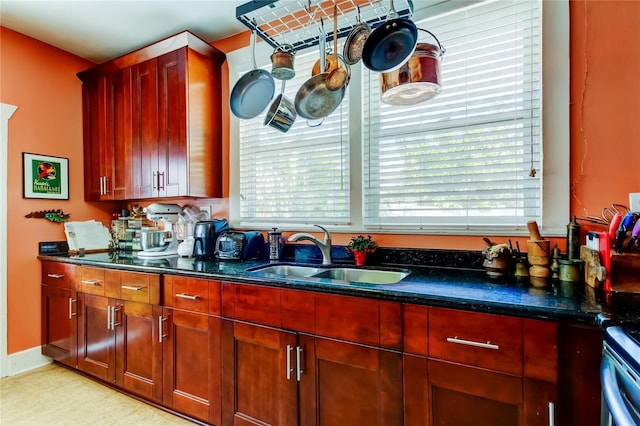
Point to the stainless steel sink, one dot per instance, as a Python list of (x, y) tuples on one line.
[(368, 276), (338, 273), (291, 270)]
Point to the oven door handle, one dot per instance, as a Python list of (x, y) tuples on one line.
[(612, 395)]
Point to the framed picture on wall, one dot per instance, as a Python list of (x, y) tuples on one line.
[(45, 176)]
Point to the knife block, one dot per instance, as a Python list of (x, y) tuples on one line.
[(625, 272)]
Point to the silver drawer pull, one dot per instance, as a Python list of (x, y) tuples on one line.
[(87, 282), (187, 296), (57, 276), (134, 288), (487, 345)]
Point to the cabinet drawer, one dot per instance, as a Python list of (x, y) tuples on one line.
[(92, 280), (481, 340), (57, 274), (139, 287), (191, 294)]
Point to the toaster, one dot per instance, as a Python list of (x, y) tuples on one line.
[(237, 245)]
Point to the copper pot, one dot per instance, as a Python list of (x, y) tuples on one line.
[(417, 80), (282, 62)]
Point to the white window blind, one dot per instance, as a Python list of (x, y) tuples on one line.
[(297, 177), (462, 160)]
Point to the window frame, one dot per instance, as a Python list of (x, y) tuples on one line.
[(555, 133)]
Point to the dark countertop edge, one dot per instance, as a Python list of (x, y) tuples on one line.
[(302, 284)]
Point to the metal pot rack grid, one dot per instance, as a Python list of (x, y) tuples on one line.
[(297, 22)]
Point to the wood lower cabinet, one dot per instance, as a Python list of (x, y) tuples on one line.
[(259, 375), (118, 338), (191, 341), (275, 374), (469, 368), (59, 305), (349, 384)]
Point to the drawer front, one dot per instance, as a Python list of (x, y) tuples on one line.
[(57, 274), (92, 280), (191, 294), (477, 339), (140, 287)]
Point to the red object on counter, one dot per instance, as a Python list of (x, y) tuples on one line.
[(605, 256)]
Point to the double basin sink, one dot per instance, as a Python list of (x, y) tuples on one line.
[(337, 273)]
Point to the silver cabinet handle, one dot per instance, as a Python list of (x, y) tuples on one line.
[(161, 334), (101, 185), (289, 369), (187, 296), (552, 414), (106, 185), (88, 282), (131, 287), (114, 324), (160, 187), (56, 276), (487, 345), (298, 362), (71, 302), (109, 318)]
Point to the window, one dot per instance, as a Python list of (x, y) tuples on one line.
[(456, 164)]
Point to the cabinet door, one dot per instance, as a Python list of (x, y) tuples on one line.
[(97, 139), (59, 324), (96, 354), (191, 347), (144, 153), (349, 384), (172, 137), (122, 136), (257, 388), (469, 396), (138, 348)]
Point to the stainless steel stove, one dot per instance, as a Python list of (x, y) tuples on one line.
[(620, 376)]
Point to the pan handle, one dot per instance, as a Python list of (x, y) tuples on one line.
[(440, 46)]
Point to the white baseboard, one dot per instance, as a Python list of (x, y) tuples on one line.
[(26, 360)]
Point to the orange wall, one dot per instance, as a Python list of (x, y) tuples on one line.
[(40, 79)]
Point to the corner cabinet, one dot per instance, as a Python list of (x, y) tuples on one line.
[(152, 122)]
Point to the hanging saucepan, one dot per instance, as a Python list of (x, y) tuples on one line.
[(417, 80), (354, 43), (314, 100), (391, 44), (282, 113), (282, 62), (253, 91)]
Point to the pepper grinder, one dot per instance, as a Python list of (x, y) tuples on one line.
[(555, 264), (573, 240)]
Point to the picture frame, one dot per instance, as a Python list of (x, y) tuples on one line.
[(45, 176)]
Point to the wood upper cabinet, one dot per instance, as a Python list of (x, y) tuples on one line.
[(59, 318), (107, 135), (152, 122)]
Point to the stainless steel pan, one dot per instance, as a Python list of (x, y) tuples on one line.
[(253, 91), (314, 100)]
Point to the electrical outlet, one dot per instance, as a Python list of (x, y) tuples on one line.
[(206, 209), (634, 201)]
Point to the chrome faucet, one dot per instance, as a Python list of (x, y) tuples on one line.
[(324, 246)]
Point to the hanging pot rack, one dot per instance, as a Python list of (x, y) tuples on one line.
[(294, 22)]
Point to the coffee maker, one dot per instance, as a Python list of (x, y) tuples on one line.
[(205, 234)]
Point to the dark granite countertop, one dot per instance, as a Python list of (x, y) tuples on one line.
[(467, 289)]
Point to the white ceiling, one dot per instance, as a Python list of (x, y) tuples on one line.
[(102, 30)]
